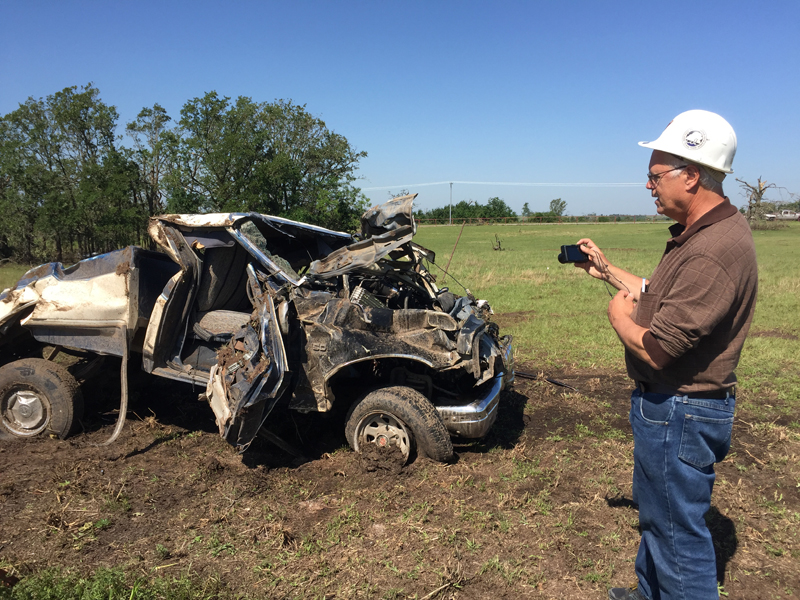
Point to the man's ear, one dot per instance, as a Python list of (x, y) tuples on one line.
[(692, 176)]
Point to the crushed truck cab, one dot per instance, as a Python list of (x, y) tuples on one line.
[(267, 313)]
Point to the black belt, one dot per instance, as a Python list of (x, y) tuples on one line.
[(704, 395)]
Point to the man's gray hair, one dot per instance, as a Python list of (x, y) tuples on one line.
[(708, 180)]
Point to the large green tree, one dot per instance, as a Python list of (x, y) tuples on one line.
[(273, 158), (67, 188), (558, 206), (497, 208), (65, 181), (148, 134)]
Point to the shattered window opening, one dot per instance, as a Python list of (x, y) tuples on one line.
[(251, 231)]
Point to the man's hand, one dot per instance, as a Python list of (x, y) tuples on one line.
[(597, 266), (620, 306)]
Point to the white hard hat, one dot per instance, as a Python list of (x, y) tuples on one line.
[(700, 136)]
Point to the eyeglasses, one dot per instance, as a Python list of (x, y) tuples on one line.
[(654, 178)]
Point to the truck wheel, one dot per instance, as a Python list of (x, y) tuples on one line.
[(401, 417), (38, 396)]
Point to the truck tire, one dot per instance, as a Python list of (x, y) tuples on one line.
[(402, 417), (38, 396)]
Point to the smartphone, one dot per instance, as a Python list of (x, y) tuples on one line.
[(572, 254)]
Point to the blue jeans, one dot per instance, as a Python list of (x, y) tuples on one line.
[(677, 440)]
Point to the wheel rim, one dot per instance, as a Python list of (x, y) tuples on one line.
[(25, 413), (384, 430)]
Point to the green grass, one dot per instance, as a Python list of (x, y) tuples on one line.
[(565, 322), (10, 274), (111, 584)]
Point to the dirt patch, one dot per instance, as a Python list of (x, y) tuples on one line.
[(123, 268), (512, 318), (540, 508), (774, 333)]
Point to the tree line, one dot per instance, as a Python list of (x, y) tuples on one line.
[(69, 188), (495, 208)]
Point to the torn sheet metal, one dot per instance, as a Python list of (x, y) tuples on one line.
[(250, 372), (385, 229), (87, 303)]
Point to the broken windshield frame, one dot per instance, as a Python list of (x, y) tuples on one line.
[(255, 243)]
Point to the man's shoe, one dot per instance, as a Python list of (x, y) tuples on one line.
[(625, 594)]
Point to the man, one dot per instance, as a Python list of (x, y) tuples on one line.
[(683, 332)]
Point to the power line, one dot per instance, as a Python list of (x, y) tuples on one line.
[(522, 184)]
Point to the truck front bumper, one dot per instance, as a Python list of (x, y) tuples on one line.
[(474, 420)]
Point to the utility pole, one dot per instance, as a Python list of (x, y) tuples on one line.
[(451, 203)]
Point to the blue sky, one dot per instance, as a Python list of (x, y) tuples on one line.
[(507, 92)]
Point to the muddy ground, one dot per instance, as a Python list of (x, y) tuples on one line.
[(539, 509)]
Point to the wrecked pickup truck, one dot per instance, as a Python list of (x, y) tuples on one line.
[(265, 312), (784, 215)]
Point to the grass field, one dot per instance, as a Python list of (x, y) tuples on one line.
[(565, 311), (541, 508)]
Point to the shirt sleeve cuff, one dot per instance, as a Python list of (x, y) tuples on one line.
[(657, 354)]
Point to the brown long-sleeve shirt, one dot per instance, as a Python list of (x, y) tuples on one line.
[(699, 305)]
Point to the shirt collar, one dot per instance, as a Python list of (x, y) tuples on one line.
[(680, 234)]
